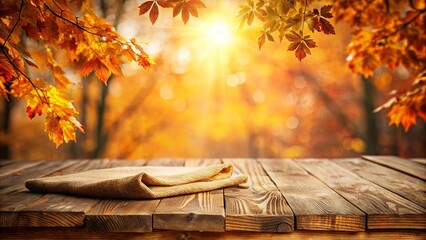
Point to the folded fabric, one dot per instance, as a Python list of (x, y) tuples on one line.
[(139, 182)]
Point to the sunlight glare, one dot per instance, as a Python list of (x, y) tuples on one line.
[(220, 33)]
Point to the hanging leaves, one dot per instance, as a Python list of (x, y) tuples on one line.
[(287, 19), (320, 22), (299, 44), (90, 44), (185, 8)]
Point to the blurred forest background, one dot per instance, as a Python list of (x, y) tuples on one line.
[(213, 97)]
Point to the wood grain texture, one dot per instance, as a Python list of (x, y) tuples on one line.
[(402, 184), (80, 233), (15, 182), (121, 216), (16, 167), (315, 205), (10, 205), (403, 165), (192, 212), (259, 206), (384, 209), (6, 162), (418, 160), (57, 210)]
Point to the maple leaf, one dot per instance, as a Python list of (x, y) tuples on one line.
[(101, 71), (320, 22), (6, 68), (301, 45), (402, 114)]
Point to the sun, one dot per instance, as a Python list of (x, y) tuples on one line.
[(219, 33)]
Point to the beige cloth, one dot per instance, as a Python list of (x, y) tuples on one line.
[(139, 182)]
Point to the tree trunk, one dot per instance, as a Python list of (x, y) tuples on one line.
[(102, 103), (371, 130), (5, 129)]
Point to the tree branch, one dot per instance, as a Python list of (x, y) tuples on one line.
[(3, 49), (14, 26)]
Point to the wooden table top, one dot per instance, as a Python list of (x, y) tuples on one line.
[(357, 198)]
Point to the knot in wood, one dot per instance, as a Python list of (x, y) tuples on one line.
[(190, 216)]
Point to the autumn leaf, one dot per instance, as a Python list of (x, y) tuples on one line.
[(321, 24), (262, 38), (145, 7), (187, 8), (101, 71), (301, 45), (6, 68), (248, 12), (153, 14), (401, 114), (153, 8)]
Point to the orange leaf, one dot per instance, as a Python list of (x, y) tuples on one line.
[(88, 67), (185, 14), (102, 72), (164, 3), (177, 9), (261, 40), (402, 114)]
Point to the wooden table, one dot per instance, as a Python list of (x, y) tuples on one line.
[(371, 197)]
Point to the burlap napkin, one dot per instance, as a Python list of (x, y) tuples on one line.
[(139, 182)]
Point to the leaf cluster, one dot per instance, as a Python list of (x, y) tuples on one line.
[(287, 19), (90, 44), (185, 8)]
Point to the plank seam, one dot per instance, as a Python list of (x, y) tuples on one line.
[(347, 200), (390, 190)]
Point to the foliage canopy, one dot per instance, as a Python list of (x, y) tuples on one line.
[(386, 33)]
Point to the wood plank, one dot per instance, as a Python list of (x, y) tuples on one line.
[(16, 167), (6, 162), (384, 209), (81, 233), (258, 207), (10, 205), (315, 205), (58, 210), (193, 212), (15, 182), (122, 215), (166, 162), (402, 184), (418, 160), (410, 167), (55, 210)]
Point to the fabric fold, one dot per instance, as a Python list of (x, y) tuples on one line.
[(139, 182)]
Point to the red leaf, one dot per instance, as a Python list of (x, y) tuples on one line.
[(326, 11), (144, 7), (37, 110), (153, 15)]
